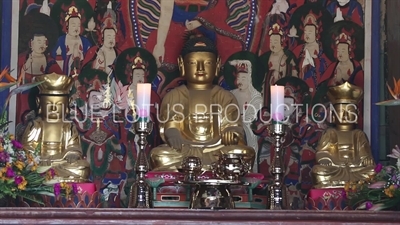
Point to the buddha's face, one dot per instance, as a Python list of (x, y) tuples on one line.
[(343, 52), (309, 34), (39, 44), (199, 67), (243, 81), (275, 43), (345, 113), (53, 107), (74, 26), (289, 106), (95, 100), (137, 76), (109, 38)]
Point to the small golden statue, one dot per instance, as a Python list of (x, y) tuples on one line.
[(199, 119), (343, 152), (57, 138)]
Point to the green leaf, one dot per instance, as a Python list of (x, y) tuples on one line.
[(48, 193), (393, 102), (21, 89), (30, 197), (6, 86)]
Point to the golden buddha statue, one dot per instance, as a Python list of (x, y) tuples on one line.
[(199, 119), (57, 138), (343, 152)]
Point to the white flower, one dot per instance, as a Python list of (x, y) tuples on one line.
[(91, 25), (9, 149), (395, 153), (398, 164)]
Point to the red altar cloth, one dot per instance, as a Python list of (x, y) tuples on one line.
[(327, 199)]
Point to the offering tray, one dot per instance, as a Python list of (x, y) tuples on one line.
[(212, 193), (213, 182)]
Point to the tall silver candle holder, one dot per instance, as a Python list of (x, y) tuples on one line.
[(140, 192), (277, 192)]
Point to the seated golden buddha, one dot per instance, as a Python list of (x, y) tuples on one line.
[(199, 119), (57, 138), (343, 152)]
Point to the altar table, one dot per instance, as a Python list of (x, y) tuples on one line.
[(187, 216)]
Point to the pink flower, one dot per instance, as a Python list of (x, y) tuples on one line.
[(17, 144), (74, 188), (377, 185), (368, 205), (344, 195), (52, 172), (4, 157), (10, 172), (377, 207), (18, 180), (378, 168), (57, 189)]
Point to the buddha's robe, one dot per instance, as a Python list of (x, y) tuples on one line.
[(342, 156), (60, 148), (201, 132)]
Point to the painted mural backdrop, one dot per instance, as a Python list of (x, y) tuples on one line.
[(109, 46)]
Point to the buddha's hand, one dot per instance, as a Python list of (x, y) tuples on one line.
[(368, 161), (174, 138), (72, 156), (230, 137), (191, 25), (325, 161)]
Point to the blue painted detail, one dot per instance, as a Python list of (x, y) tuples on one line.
[(375, 78), (5, 57)]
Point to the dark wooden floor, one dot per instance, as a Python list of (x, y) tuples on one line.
[(186, 216)]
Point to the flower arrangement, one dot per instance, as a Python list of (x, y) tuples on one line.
[(380, 191), (20, 173)]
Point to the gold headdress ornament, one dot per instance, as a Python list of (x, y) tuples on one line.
[(72, 12), (54, 84), (275, 29), (345, 93), (343, 38), (310, 19), (138, 63), (108, 23), (242, 68)]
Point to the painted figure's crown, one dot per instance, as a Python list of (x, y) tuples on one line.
[(275, 29), (310, 19), (108, 23), (72, 12), (138, 63), (242, 68)]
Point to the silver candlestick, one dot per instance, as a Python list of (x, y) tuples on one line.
[(277, 193), (140, 192)]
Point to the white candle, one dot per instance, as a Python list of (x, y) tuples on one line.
[(143, 99), (277, 102)]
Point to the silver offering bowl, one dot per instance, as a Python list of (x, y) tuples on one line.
[(231, 167), (212, 194), (191, 166)]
